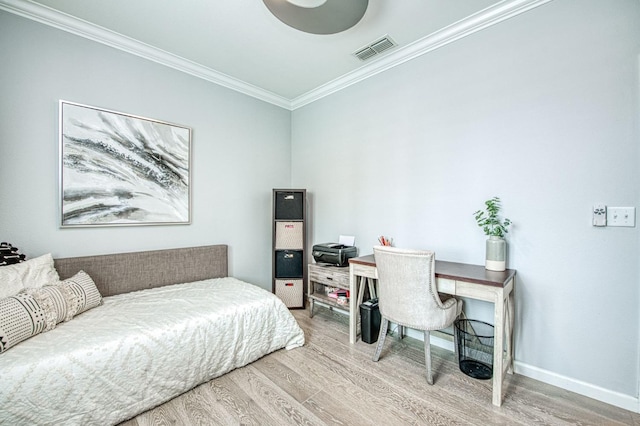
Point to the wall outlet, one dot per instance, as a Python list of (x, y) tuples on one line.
[(599, 215), (621, 216)]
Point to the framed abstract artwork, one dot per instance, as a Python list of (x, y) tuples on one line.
[(120, 169)]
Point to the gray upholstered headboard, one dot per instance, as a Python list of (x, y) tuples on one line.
[(126, 272)]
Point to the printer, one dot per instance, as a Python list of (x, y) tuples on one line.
[(334, 253)]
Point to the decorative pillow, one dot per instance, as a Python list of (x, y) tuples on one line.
[(81, 293), (21, 317), (55, 302), (36, 310), (33, 273)]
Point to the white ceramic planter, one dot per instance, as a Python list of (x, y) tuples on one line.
[(496, 254)]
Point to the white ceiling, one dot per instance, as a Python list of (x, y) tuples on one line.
[(241, 45)]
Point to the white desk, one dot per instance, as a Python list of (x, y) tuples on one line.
[(458, 279)]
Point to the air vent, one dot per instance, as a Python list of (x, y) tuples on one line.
[(375, 48)]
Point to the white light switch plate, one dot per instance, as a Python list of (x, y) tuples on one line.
[(621, 216)]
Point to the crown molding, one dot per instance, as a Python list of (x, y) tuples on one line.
[(485, 18), (463, 28), (79, 27)]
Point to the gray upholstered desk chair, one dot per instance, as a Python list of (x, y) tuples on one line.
[(408, 296)]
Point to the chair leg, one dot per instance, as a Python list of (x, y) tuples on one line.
[(400, 332), (427, 356), (381, 336)]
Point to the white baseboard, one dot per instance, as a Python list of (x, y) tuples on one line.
[(601, 394), (442, 340), (627, 402)]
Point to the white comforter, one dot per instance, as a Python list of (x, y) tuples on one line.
[(140, 349)]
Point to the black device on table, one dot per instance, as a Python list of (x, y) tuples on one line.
[(335, 254)]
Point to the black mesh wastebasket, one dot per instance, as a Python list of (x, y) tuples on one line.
[(474, 343)]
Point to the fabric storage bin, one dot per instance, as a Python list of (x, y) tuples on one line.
[(289, 264), (291, 292), (289, 205), (289, 235)]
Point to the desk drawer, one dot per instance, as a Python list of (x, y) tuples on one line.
[(364, 270), (446, 286), (334, 277)]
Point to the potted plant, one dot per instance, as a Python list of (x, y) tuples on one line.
[(495, 228)]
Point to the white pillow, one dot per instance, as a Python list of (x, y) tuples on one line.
[(33, 273)]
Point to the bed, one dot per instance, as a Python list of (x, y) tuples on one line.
[(169, 321)]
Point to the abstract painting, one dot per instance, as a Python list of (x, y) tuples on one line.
[(121, 169)]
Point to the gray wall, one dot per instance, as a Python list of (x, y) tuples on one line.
[(541, 110), (240, 148)]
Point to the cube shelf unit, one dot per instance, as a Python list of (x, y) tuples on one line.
[(289, 243)]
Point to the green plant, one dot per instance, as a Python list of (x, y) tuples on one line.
[(489, 221)]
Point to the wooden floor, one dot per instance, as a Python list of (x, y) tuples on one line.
[(330, 382)]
